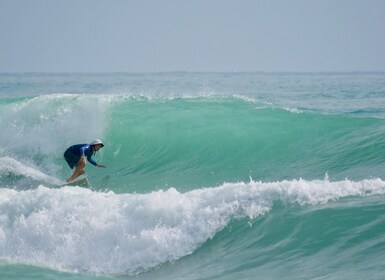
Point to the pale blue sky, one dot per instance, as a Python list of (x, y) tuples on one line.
[(191, 35)]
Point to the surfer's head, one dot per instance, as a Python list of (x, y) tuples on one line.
[(97, 144)]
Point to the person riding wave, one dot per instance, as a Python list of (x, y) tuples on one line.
[(76, 157)]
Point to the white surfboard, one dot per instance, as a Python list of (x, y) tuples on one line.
[(81, 182)]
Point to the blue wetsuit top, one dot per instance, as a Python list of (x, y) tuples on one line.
[(83, 149)]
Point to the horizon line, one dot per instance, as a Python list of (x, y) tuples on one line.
[(197, 72)]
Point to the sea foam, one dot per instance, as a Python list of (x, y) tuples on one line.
[(80, 230)]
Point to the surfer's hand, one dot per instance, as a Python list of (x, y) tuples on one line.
[(101, 165)]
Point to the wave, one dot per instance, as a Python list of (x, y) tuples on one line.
[(191, 142), (179, 148), (206, 141), (79, 230)]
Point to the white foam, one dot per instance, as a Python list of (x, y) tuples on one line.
[(39, 127), (76, 229), (10, 165)]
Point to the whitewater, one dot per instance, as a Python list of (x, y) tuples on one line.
[(210, 176)]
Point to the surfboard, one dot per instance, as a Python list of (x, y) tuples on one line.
[(81, 182)]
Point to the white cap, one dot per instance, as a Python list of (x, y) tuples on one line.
[(96, 142)]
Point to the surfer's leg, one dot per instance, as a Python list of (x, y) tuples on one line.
[(79, 170)]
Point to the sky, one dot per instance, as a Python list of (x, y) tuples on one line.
[(192, 35)]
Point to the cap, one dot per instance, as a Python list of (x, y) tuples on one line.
[(96, 142)]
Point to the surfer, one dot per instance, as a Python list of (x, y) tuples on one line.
[(76, 157)]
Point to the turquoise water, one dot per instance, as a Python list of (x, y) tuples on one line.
[(210, 176)]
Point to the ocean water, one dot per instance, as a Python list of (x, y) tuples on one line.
[(210, 176)]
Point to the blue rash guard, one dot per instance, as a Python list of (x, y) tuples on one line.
[(73, 154)]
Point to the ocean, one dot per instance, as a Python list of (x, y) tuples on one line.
[(209, 176)]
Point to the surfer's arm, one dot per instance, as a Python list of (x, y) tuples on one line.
[(89, 158), (94, 162), (87, 152)]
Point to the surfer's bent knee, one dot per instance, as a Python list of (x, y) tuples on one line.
[(81, 164)]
